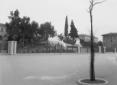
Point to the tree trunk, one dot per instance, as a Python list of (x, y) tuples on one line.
[(92, 69)]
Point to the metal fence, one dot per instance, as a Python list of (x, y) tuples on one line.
[(45, 48)]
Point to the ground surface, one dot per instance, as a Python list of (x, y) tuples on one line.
[(55, 69)]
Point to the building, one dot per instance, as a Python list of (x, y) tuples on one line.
[(110, 41), (87, 38), (2, 31), (3, 38)]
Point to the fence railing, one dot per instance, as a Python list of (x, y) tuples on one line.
[(53, 49)]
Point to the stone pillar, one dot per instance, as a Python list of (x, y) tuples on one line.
[(104, 49), (12, 47), (15, 47), (78, 49), (115, 50), (100, 49)]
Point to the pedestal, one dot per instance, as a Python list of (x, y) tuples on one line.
[(100, 50), (12, 47)]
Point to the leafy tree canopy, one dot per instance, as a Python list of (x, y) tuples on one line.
[(73, 32), (13, 25), (47, 30), (21, 29)]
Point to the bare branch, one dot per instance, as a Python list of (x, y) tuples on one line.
[(95, 3), (90, 1), (91, 4)]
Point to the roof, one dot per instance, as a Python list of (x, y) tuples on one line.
[(85, 35), (109, 34)]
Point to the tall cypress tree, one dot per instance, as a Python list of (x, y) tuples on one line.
[(66, 27), (73, 32)]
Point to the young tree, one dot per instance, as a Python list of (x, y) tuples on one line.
[(91, 7), (73, 32), (92, 80), (66, 27)]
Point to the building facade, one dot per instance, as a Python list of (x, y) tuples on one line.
[(3, 38), (87, 38), (2, 31), (110, 41)]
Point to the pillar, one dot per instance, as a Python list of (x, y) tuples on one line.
[(100, 50), (78, 49), (115, 50), (104, 49), (12, 47)]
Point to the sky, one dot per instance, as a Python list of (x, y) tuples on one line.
[(55, 11)]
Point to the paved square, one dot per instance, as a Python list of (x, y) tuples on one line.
[(55, 68)]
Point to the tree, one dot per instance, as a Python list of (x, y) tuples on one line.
[(61, 37), (92, 79), (34, 29), (100, 43), (21, 29), (25, 30), (92, 70), (13, 25), (66, 27), (73, 32), (29, 30), (46, 30)]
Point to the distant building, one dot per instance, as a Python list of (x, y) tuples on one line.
[(3, 38), (2, 30), (87, 38), (110, 40)]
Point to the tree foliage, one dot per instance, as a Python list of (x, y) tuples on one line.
[(24, 31), (21, 29), (66, 27), (13, 27), (73, 32), (46, 30), (61, 37)]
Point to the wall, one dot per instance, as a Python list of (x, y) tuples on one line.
[(110, 42)]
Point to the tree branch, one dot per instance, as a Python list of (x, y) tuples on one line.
[(91, 5), (90, 1), (95, 3)]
